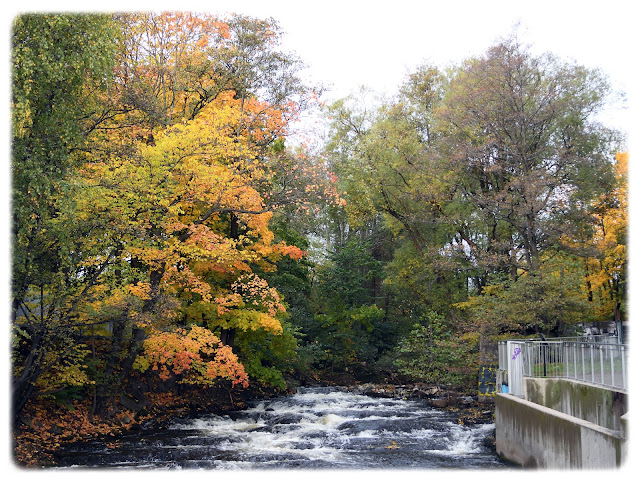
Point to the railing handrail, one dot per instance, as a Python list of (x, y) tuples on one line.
[(600, 363), (577, 338)]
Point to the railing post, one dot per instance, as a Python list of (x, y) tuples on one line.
[(624, 369), (613, 381), (601, 366)]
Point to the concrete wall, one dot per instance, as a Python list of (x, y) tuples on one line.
[(536, 436), (594, 404)]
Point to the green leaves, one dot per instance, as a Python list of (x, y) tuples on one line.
[(521, 132), (481, 175)]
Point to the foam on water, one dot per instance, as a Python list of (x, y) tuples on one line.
[(316, 428)]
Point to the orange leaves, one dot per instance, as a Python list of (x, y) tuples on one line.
[(167, 201), (50, 425), (224, 303), (168, 53), (226, 365), (197, 356), (290, 251)]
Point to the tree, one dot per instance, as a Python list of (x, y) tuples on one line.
[(603, 249), (521, 134), (551, 301), (431, 352), (196, 356), (60, 65), (479, 175), (162, 218), (387, 162), (530, 158), (165, 214), (174, 64)]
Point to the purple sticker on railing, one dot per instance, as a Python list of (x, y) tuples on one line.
[(516, 352)]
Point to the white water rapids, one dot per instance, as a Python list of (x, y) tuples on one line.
[(316, 428)]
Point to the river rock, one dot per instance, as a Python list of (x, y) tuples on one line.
[(438, 402), (130, 404)]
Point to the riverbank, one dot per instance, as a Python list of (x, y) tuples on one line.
[(49, 426), (468, 408), (46, 426)]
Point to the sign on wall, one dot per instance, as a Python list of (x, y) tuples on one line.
[(487, 380)]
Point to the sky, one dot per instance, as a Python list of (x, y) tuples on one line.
[(352, 43), (347, 44)]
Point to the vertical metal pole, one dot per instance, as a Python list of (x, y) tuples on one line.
[(624, 369), (575, 361), (584, 377), (613, 382), (601, 366), (593, 380)]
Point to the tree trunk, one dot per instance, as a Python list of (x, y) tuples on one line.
[(107, 389), (227, 336)]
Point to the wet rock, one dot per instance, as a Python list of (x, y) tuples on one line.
[(130, 403), (438, 402)]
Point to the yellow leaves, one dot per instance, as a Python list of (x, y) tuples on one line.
[(167, 200), (268, 323), (256, 292), (249, 305), (70, 372), (622, 168), (247, 319), (605, 270), (141, 290), (171, 199)]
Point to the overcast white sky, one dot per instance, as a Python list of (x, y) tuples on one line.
[(353, 43), (374, 43)]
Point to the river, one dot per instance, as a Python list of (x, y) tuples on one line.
[(316, 428)]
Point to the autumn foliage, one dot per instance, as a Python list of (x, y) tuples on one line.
[(143, 244), (196, 356)]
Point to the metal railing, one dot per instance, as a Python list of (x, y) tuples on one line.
[(602, 364), (598, 362)]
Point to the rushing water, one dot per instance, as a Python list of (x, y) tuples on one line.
[(315, 428)]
